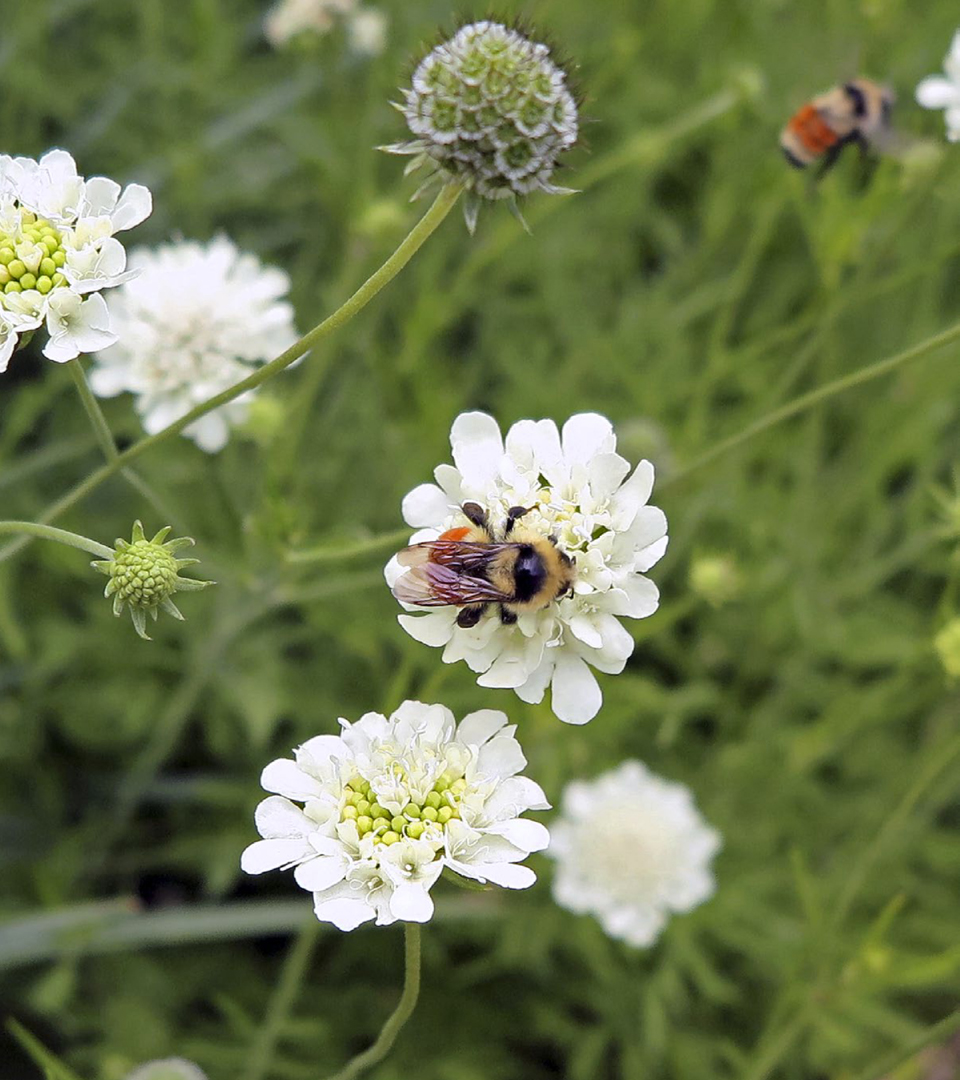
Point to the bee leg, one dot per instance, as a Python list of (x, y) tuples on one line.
[(513, 516), (830, 158), (508, 618), (475, 513), (470, 616)]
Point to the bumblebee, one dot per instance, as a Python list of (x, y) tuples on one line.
[(472, 567), (856, 112)]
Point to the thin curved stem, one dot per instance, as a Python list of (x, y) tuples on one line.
[(331, 553), (401, 1014), (47, 532), (822, 393), (92, 407), (409, 246)]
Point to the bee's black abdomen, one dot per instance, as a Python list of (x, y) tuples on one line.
[(508, 618), (794, 161), (529, 574)]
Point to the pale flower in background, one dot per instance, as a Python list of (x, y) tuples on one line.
[(365, 26), (389, 803), (580, 492), (168, 1069), (632, 849), (943, 91), (57, 246), (197, 320)]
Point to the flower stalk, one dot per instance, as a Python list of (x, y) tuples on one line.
[(445, 201), (48, 532), (401, 1014)]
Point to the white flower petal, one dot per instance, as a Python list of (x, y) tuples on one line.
[(266, 855), (425, 505), (277, 817), (433, 628), (286, 778), (411, 903), (586, 435), (478, 727), (477, 448), (500, 757), (320, 873), (576, 696), (524, 834), (346, 913), (631, 496), (937, 92)]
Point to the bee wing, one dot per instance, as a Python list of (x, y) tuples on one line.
[(462, 556), (431, 584)]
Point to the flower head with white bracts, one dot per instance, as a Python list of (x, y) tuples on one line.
[(490, 109), (632, 849), (578, 491), (197, 320), (390, 802), (943, 91), (168, 1069), (58, 250)]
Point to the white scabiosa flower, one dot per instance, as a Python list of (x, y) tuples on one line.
[(581, 494), (492, 110), (369, 818), (288, 20), (943, 91), (632, 849), (57, 247), (367, 31), (197, 319)]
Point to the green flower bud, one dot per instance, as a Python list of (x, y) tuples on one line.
[(398, 823), (363, 806), (430, 813), (390, 837), (412, 810), (379, 812), (716, 578), (433, 799), (145, 574), (489, 109), (349, 813), (364, 824), (444, 814)]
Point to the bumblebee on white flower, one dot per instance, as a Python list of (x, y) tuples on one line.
[(390, 802), (197, 319), (576, 492), (57, 246), (632, 849), (943, 91)]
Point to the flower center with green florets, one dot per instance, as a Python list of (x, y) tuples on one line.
[(145, 574), (31, 254), (441, 804)]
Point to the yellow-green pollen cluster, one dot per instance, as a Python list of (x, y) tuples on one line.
[(441, 804), (31, 258)]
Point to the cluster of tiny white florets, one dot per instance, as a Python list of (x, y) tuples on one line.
[(197, 320), (58, 250), (491, 109), (391, 802)]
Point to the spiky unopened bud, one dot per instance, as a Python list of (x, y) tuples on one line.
[(492, 110), (144, 574)]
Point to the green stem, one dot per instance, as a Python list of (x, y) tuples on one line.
[(402, 1013), (329, 553), (408, 247), (47, 532), (294, 969), (98, 421), (936, 1033), (822, 393)]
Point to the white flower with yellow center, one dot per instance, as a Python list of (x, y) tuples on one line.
[(632, 849), (197, 319), (57, 245), (390, 802), (578, 491)]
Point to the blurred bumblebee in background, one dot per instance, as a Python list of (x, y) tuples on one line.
[(856, 112)]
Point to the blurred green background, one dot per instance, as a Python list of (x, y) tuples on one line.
[(696, 284)]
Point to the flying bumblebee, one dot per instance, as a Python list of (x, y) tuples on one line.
[(472, 567), (856, 112)]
